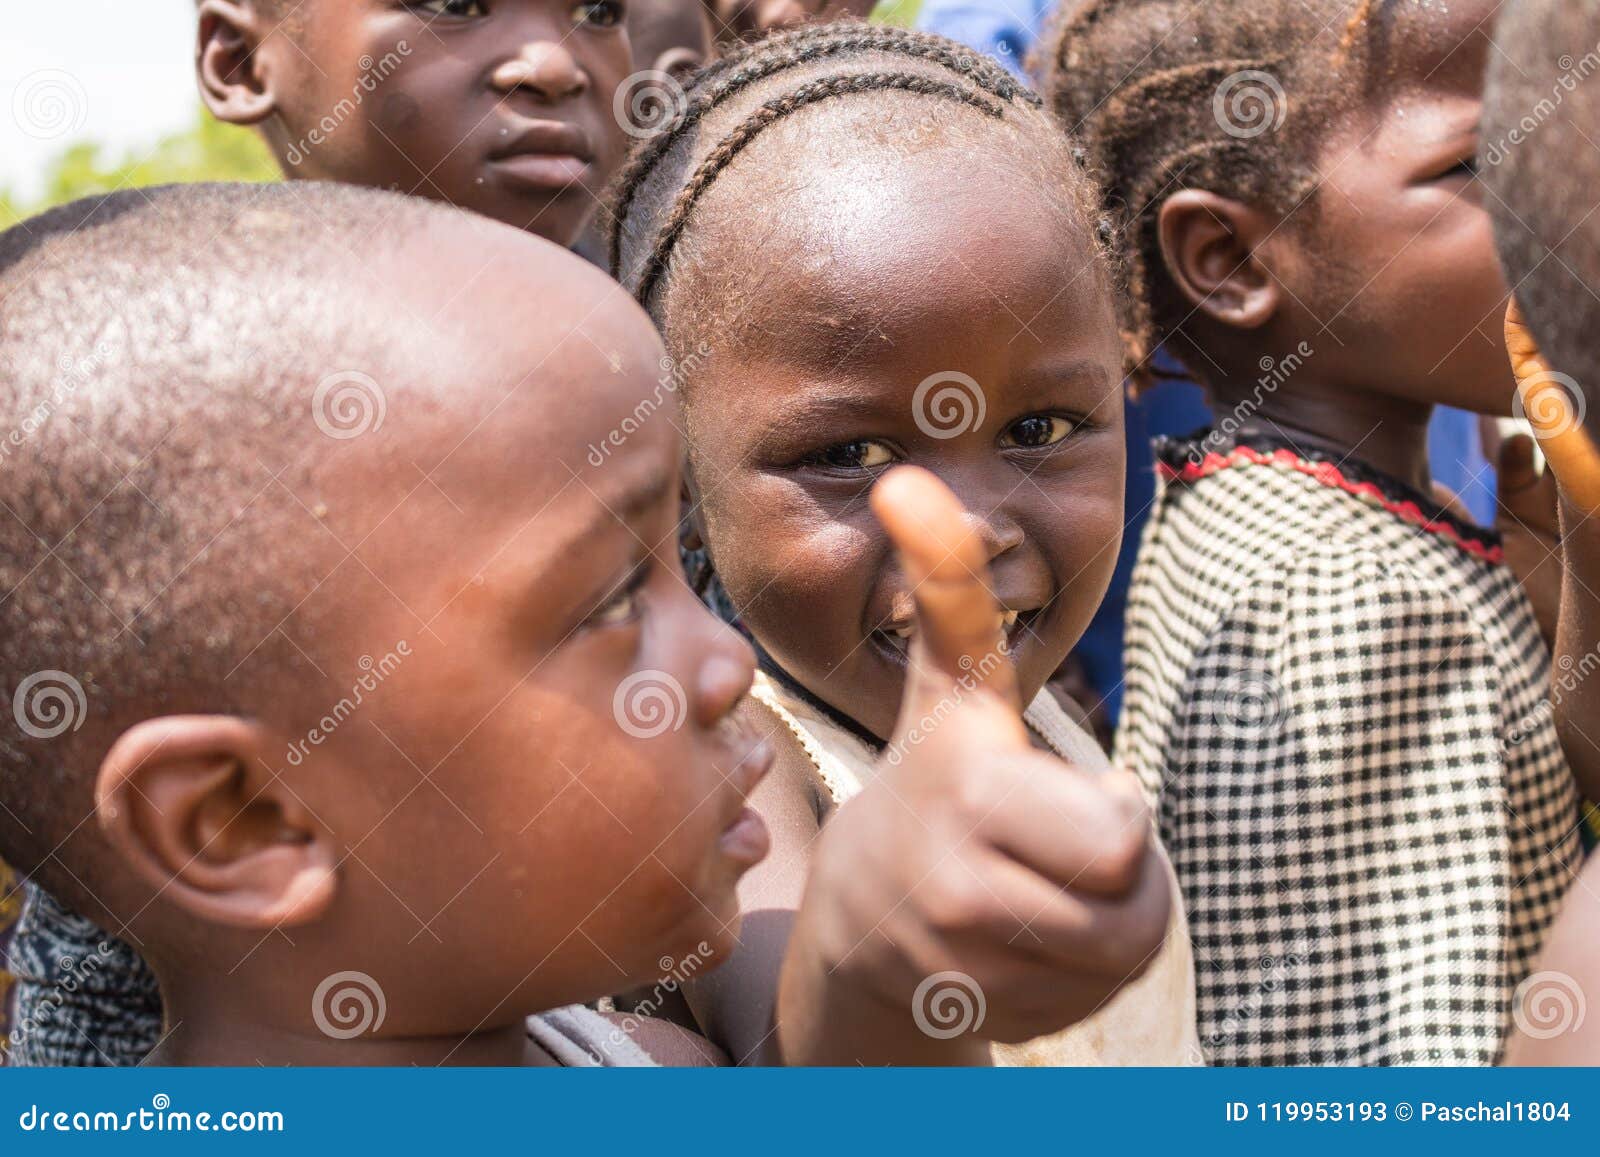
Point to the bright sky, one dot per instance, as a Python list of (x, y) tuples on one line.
[(117, 71)]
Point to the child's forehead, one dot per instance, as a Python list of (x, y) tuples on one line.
[(1422, 45)]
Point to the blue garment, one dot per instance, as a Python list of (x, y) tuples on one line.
[(1007, 31)]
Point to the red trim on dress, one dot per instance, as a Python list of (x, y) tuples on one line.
[(1329, 475)]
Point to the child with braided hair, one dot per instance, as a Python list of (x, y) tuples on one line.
[(1332, 678), (869, 249)]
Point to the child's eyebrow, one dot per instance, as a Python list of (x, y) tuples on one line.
[(640, 499)]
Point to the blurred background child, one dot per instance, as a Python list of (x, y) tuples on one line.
[(505, 108)]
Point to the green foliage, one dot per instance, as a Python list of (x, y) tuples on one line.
[(902, 13), (207, 151)]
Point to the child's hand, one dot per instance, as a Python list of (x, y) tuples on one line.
[(1530, 528), (1553, 405), (972, 852)]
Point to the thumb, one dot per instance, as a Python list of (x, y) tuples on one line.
[(958, 637)]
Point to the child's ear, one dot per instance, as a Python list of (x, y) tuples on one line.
[(1211, 244), (691, 529), (190, 807), (227, 65)]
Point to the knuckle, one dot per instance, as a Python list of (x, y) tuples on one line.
[(953, 901)]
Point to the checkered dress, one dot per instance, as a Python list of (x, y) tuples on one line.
[(1334, 690)]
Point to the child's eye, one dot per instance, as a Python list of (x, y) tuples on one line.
[(1036, 431), (600, 14), (451, 7), (862, 455), (1468, 168), (622, 606)]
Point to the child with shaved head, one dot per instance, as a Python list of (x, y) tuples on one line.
[(292, 593)]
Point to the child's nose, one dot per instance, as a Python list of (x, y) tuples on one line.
[(998, 532), (724, 676), (544, 68)]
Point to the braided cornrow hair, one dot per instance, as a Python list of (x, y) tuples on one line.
[(1233, 97), (750, 63), (971, 80)]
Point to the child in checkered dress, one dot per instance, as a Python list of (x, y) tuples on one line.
[(1335, 683)]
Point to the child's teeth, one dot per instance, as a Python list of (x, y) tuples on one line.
[(1008, 620), (905, 632)]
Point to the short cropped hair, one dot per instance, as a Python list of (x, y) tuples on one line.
[(159, 356), (1540, 160)]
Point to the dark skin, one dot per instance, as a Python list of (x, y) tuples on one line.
[(670, 36), (1574, 462), (934, 264), (565, 854), (1390, 276), (503, 107)]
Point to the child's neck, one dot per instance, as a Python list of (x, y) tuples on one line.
[(1387, 433), (200, 1036)]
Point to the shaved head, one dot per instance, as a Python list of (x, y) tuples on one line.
[(1541, 163), (175, 367)]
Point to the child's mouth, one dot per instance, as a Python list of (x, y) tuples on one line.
[(895, 639)]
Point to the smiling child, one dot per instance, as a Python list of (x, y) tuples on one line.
[(887, 255)]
